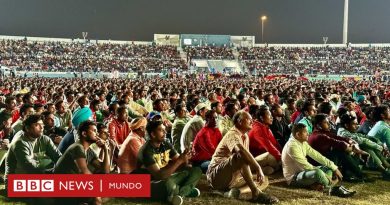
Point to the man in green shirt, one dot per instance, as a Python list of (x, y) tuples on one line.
[(33, 152), (300, 173)]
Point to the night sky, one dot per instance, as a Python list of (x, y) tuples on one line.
[(289, 21)]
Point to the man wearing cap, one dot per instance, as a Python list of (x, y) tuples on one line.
[(193, 126), (127, 159)]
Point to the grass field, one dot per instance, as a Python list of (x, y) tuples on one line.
[(376, 193)]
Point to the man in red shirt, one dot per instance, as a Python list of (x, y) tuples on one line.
[(263, 144), (337, 149), (119, 127), (206, 141)]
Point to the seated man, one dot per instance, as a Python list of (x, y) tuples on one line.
[(127, 159), (231, 164), (381, 129), (206, 141), (161, 160), (25, 110), (308, 111), (79, 116), (111, 145), (300, 173), (33, 152), (5, 134), (55, 133), (377, 151), (337, 149), (263, 145), (77, 159), (119, 127), (193, 127)]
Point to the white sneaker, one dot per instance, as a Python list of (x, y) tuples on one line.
[(175, 200)]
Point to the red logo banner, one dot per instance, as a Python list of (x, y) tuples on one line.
[(79, 185)]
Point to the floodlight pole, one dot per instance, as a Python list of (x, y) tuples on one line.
[(345, 25)]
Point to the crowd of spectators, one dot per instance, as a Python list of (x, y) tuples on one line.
[(77, 56), (107, 57), (227, 128), (316, 67), (209, 52), (316, 60), (315, 53)]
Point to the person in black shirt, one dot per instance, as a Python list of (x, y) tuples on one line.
[(55, 133), (171, 174), (279, 127)]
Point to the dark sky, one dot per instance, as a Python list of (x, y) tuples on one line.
[(289, 21)]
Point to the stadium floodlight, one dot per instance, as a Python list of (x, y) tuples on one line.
[(263, 18)]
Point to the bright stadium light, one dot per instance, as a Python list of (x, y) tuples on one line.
[(263, 18)]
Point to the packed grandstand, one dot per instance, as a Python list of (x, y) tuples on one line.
[(107, 56)]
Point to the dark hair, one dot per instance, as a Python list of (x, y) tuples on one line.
[(261, 112), (152, 125), (214, 105), (37, 105), (318, 119), (157, 101), (325, 108), (9, 99), (298, 128), (341, 111), (112, 106), (26, 97), (266, 97), (209, 114), (100, 126), (290, 100), (305, 106), (95, 102), (31, 119), (83, 97), (24, 108), (346, 119), (378, 111), (58, 103), (229, 107), (253, 109), (45, 114), (4, 116), (84, 126), (178, 108), (274, 107), (121, 109)]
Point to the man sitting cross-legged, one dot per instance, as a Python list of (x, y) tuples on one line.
[(300, 173), (232, 164), (170, 174)]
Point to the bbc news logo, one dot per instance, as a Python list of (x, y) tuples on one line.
[(34, 185), (78, 185)]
